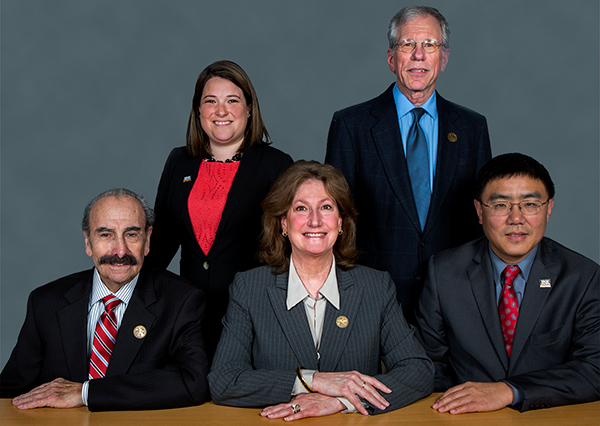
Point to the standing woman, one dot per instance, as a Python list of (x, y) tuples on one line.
[(209, 196)]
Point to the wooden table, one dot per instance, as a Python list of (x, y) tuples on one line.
[(418, 413)]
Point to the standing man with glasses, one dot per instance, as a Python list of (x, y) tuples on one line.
[(512, 319), (411, 158)]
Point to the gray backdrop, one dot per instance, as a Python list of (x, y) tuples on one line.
[(95, 94)]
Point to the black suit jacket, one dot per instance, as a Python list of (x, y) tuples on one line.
[(555, 357), (236, 241), (365, 144), (264, 343), (165, 369)]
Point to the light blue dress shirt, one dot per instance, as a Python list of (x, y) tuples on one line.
[(519, 283), (429, 123)]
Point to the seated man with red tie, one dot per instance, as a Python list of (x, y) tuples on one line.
[(512, 319), (113, 337)]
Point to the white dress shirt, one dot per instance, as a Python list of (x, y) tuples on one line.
[(315, 314), (96, 309)]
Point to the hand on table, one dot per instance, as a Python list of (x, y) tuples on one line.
[(349, 384), (309, 404), (471, 397), (59, 393)]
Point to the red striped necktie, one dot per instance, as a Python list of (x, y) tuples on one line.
[(508, 308), (105, 337)]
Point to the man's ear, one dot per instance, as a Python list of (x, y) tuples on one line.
[(147, 248), (445, 57), (88, 244), (479, 209), (550, 205)]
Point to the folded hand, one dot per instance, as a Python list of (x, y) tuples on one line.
[(349, 384)]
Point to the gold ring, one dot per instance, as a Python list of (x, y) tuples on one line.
[(296, 408), (364, 383)]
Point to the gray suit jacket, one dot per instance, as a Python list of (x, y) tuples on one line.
[(555, 357), (263, 343)]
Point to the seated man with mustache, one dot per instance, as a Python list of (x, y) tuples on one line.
[(113, 337)]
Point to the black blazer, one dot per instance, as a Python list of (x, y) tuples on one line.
[(364, 143), (165, 369), (555, 357), (236, 241), (263, 342)]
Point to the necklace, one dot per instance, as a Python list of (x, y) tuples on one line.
[(236, 157)]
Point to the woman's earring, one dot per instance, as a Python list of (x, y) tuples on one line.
[(340, 232), (283, 234)]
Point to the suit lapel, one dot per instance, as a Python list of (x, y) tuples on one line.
[(243, 176), (72, 321), (334, 338), (293, 323), (534, 299), (481, 277), (447, 160), (191, 169), (386, 135), (137, 313)]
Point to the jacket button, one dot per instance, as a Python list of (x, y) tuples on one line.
[(205, 265), (422, 243), (417, 276)]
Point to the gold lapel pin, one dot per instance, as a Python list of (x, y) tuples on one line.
[(139, 332), (545, 283), (452, 137), (341, 321), (187, 179)]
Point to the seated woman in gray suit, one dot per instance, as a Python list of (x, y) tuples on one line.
[(307, 335)]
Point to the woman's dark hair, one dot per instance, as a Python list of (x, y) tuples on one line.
[(197, 141)]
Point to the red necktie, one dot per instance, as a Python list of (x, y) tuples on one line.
[(104, 338), (508, 308)]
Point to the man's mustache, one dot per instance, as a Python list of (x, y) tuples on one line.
[(113, 259)]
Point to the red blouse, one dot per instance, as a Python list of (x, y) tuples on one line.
[(207, 200)]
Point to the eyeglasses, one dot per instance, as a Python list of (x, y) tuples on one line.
[(527, 207), (408, 45)]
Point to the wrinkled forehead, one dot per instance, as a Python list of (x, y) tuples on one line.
[(111, 210), (421, 27)]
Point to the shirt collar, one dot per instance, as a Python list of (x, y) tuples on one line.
[(403, 105), (297, 292), (524, 265), (99, 289)]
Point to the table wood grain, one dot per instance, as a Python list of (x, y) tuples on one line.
[(419, 413)]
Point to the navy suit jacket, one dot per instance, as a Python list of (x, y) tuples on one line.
[(236, 241), (263, 343), (555, 357), (365, 144), (165, 369)]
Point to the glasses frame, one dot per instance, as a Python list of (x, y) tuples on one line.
[(436, 43), (514, 204)]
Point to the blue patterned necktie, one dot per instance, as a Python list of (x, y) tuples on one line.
[(417, 158)]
